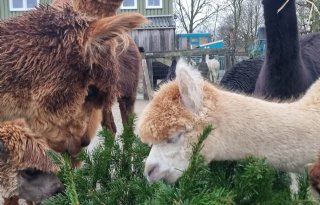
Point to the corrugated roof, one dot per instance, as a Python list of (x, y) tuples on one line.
[(159, 22)]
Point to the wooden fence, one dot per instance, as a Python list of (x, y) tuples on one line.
[(167, 57)]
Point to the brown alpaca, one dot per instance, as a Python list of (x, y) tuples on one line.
[(25, 169), (129, 65), (58, 69), (129, 61)]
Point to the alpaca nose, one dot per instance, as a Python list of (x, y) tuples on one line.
[(59, 188), (151, 170), (85, 141)]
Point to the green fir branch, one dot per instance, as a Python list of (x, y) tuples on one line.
[(113, 174)]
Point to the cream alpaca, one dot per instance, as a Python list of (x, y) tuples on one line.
[(214, 67), (286, 134)]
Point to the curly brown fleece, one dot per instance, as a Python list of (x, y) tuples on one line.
[(129, 61), (23, 150), (49, 58)]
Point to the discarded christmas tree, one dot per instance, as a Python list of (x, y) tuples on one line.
[(113, 174)]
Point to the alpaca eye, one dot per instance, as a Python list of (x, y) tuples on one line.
[(30, 173), (94, 95), (174, 139)]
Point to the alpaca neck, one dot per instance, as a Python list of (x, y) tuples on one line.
[(283, 74), (282, 31)]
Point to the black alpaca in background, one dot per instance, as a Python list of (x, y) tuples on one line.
[(242, 77), (287, 71)]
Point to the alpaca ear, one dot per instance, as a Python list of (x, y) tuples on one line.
[(111, 31), (190, 86)]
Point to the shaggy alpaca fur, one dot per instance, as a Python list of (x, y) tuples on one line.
[(58, 69), (22, 152), (242, 77), (286, 134), (287, 71), (129, 61)]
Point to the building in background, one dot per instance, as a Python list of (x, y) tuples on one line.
[(10, 8), (156, 36), (159, 34), (195, 39)]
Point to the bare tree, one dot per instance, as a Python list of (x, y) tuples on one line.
[(194, 13), (224, 28), (303, 11), (239, 24), (308, 13), (236, 7), (251, 19)]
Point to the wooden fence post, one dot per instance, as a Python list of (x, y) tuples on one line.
[(227, 61), (150, 72), (146, 80)]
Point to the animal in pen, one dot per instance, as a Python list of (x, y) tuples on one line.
[(129, 60), (25, 169), (286, 134), (291, 63), (59, 69), (214, 67)]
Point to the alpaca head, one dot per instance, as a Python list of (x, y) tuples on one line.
[(171, 123), (25, 169), (58, 69)]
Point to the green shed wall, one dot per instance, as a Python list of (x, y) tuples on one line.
[(5, 9), (167, 8)]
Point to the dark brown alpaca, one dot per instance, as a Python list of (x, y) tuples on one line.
[(129, 61), (58, 69), (25, 169), (129, 65)]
